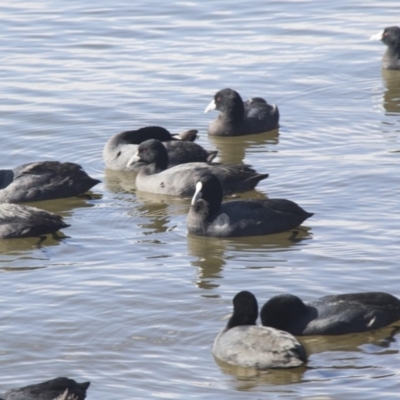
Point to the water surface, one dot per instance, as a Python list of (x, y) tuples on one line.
[(127, 299)]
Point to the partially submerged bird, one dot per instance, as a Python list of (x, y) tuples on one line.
[(121, 147), (239, 118), (19, 221), (209, 216), (45, 180), (331, 315), (181, 180), (244, 344), (390, 36), (54, 389)]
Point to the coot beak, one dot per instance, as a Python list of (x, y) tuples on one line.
[(135, 158), (377, 36), (210, 107), (197, 193)]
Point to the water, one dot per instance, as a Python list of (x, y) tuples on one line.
[(126, 299)]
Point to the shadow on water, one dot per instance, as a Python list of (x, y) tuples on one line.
[(211, 254), (119, 181), (157, 217), (27, 245), (248, 378), (65, 207), (154, 208), (373, 341), (391, 97), (232, 149)]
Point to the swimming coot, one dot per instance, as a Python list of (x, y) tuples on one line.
[(391, 38), (54, 389), (181, 180), (208, 216), (244, 344), (45, 180), (18, 221), (331, 315), (121, 147), (237, 118)]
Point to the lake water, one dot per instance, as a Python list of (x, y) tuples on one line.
[(127, 299)]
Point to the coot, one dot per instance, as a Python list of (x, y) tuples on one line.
[(237, 118), (208, 216), (391, 38)]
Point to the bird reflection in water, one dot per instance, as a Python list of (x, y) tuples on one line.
[(234, 151), (391, 96), (211, 254)]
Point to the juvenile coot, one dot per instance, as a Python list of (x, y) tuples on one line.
[(18, 221), (391, 38), (43, 180), (54, 389), (237, 118), (181, 180), (208, 216), (244, 344), (331, 315), (121, 147)]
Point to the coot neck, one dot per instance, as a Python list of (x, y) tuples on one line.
[(154, 168), (239, 320), (394, 51), (213, 201), (235, 110), (161, 163), (245, 310)]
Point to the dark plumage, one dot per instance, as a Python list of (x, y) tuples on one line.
[(183, 152), (208, 216), (54, 389), (18, 221), (237, 118), (331, 315), (121, 147), (181, 180), (391, 38), (43, 180), (244, 344)]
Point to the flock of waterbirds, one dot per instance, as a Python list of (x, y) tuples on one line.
[(175, 165)]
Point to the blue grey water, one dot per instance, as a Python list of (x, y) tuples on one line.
[(127, 299)]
